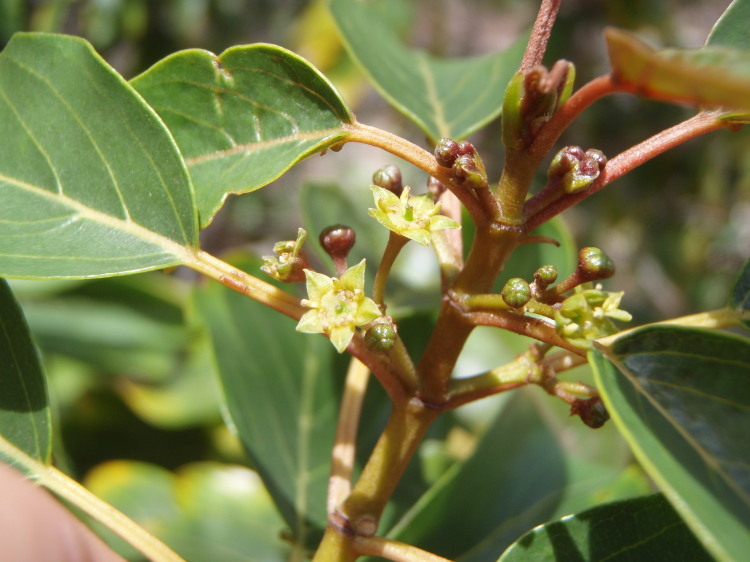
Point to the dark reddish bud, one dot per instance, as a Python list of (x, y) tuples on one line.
[(389, 177), (337, 240), (446, 152), (591, 411), (465, 148)]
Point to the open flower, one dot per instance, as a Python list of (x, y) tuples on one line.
[(413, 217), (588, 314), (337, 306)]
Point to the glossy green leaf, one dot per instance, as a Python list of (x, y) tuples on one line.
[(205, 511), (740, 297), (445, 97), (91, 183), (711, 76), (281, 397), (518, 477), (681, 397), (24, 406), (731, 28), (241, 119), (644, 528)]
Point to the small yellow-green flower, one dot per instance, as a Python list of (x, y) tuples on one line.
[(337, 306), (413, 217), (588, 314)]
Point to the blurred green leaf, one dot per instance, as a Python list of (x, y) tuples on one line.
[(681, 397), (282, 399), (711, 76), (644, 528), (517, 477), (445, 97), (740, 297), (731, 28), (241, 119), (205, 512), (102, 192), (24, 406)]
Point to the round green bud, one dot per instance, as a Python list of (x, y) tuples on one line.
[(380, 337), (594, 264), (337, 240), (389, 177), (446, 152), (546, 275), (516, 292)]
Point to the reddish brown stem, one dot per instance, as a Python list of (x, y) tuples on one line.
[(540, 33), (700, 124), (524, 325)]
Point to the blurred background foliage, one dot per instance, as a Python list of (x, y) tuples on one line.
[(129, 363)]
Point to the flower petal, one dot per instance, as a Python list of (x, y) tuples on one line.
[(341, 336), (310, 323)]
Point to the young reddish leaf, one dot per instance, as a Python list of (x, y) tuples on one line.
[(711, 76)]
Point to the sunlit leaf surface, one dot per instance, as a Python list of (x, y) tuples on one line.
[(241, 119), (682, 399), (91, 183), (644, 528), (445, 97), (24, 406)]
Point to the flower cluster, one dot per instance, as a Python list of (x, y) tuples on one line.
[(412, 217), (588, 314), (337, 306)]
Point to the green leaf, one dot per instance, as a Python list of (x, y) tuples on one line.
[(740, 297), (731, 28), (514, 480), (681, 397), (243, 118), (445, 97), (205, 512), (282, 399), (644, 528), (711, 76), (91, 183), (24, 406)]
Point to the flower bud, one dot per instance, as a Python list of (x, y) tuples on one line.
[(575, 168), (594, 264), (469, 170), (337, 241), (591, 411), (389, 177), (516, 292), (545, 276), (446, 152), (381, 337)]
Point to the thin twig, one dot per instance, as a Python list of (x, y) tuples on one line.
[(344, 449), (394, 550)]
